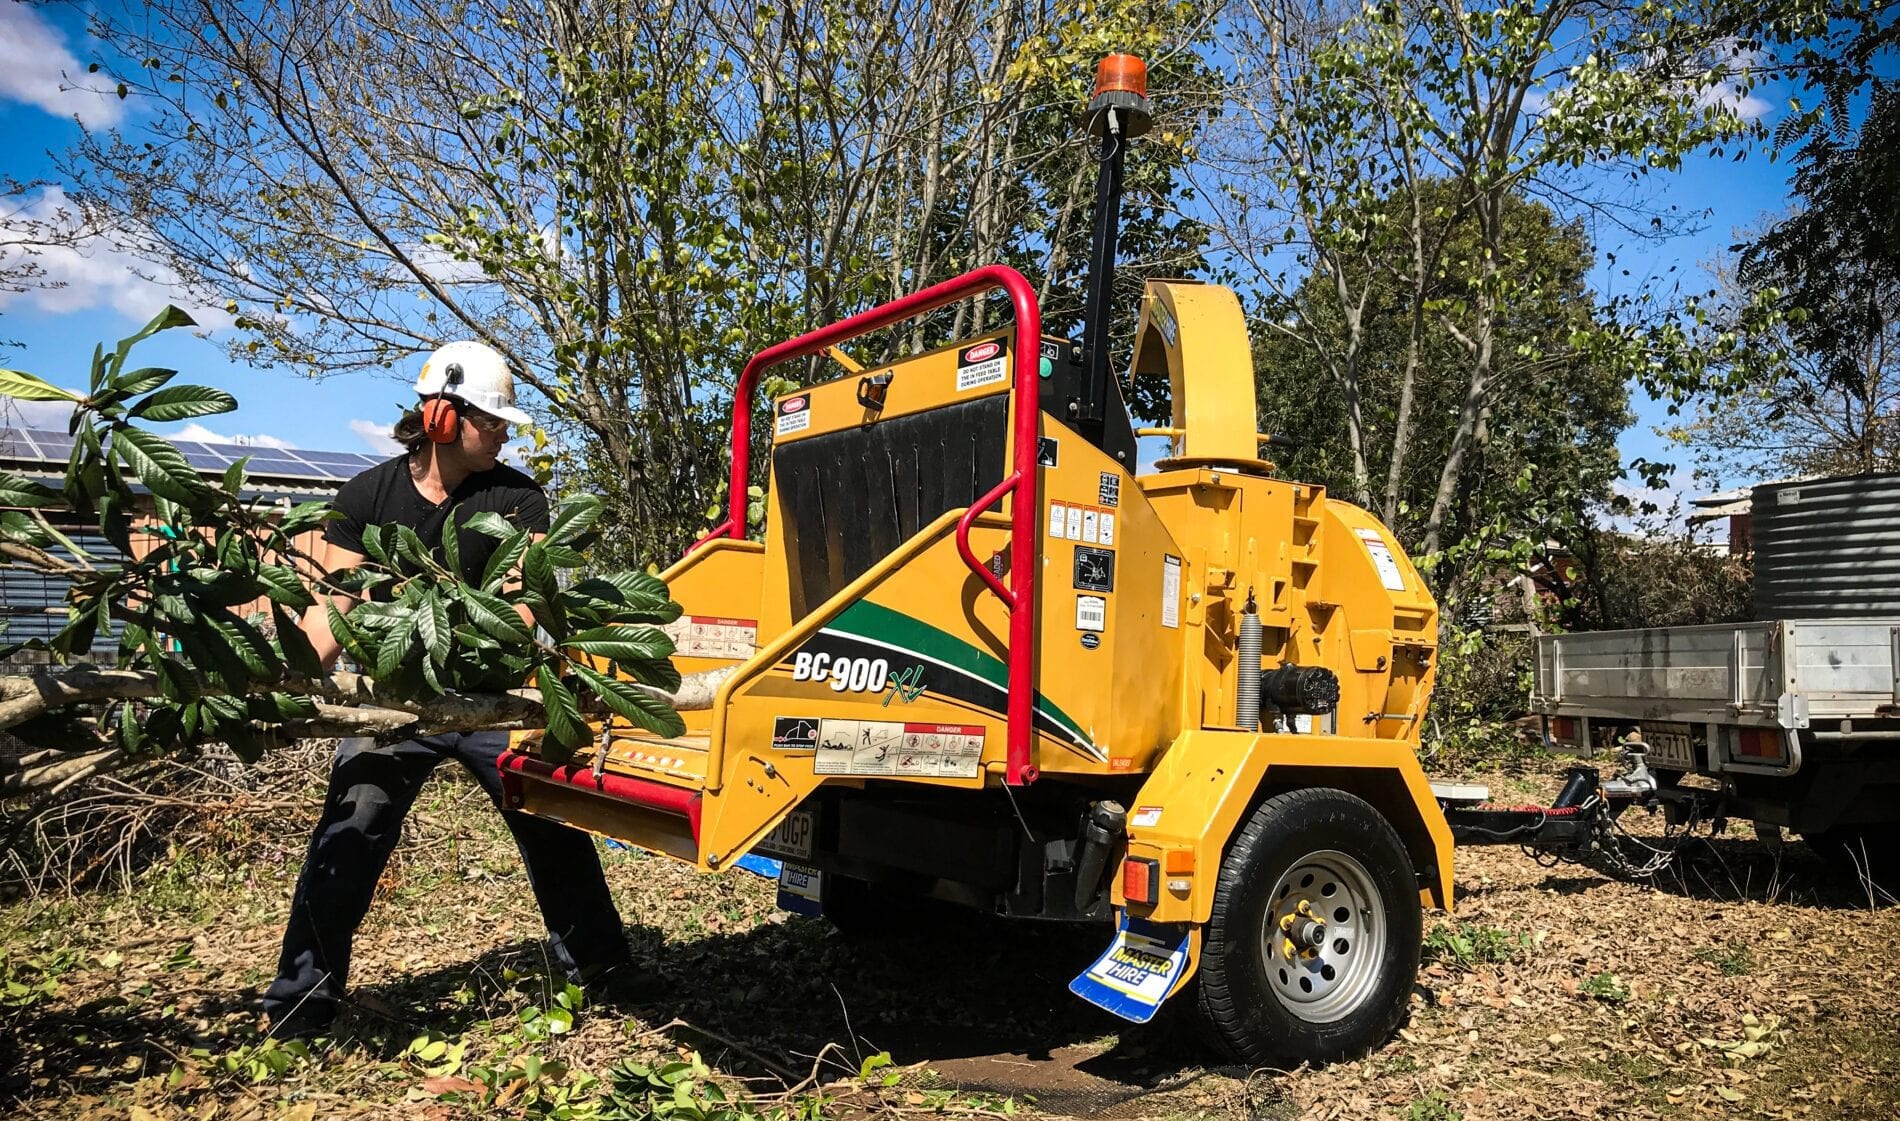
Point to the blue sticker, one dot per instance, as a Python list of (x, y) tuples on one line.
[(800, 890)]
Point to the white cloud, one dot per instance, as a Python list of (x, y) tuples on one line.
[(36, 67), (79, 270), (196, 431), (1730, 96), (53, 415), (376, 435)]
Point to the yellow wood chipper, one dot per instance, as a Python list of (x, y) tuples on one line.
[(979, 656)]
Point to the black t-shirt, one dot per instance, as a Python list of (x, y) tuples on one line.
[(385, 495)]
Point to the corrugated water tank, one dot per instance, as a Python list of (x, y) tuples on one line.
[(1828, 548)]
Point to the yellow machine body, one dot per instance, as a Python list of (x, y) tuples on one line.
[(867, 659)]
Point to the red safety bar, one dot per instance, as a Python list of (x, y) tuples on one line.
[(643, 792), (1019, 595)]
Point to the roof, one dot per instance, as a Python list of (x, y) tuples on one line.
[(1729, 503), (291, 469)]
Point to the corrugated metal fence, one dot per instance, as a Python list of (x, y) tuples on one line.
[(33, 605), (1828, 548)]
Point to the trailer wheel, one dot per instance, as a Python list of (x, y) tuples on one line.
[(1313, 944)]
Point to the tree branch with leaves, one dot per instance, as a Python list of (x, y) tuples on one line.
[(203, 611)]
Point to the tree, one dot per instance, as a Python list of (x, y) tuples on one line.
[(1551, 457), (1360, 140), (436, 653), (626, 199), (1818, 292)]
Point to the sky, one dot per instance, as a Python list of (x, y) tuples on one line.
[(43, 51)]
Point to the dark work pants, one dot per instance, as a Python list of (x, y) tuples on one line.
[(371, 790)]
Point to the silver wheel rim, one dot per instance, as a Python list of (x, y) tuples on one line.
[(1323, 937)]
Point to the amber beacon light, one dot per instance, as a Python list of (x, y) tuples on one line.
[(1121, 86)]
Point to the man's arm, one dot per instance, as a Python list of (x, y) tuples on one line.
[(316, 620)]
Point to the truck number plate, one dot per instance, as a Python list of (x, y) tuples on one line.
[(792, 837), (1670, 745)]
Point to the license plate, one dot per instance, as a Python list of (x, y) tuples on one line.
[(792, 837), (1670, 745)]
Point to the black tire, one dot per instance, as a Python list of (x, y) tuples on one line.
[(1341, 999), (1861, 851)]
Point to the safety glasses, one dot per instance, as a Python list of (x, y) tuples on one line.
[(487, 422)]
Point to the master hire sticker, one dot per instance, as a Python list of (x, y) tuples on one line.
[(888, 747)]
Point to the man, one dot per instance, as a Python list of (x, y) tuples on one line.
[(452, 439)]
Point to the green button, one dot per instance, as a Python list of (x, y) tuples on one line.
[(1046, 368)]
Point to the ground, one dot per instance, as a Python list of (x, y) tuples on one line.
[(1748, 984)]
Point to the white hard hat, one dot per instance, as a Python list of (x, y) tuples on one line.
[(475, 373)]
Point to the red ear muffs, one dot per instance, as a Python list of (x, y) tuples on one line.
[(441, 420)]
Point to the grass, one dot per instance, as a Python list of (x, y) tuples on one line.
[(1466, 945), (1606, 988), (152, 1000), (1733, 960)]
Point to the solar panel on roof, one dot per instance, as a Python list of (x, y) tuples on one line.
[(55, 445), (47, 445), (205, 461)]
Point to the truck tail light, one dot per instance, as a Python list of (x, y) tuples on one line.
[(1758, 743), (1563, 729), (1141, 877)]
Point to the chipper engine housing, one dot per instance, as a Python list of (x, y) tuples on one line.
[(978, 655)]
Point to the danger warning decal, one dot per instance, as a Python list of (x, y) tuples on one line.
[(794, 414), (887, 747), (709, 636), (982, 364)]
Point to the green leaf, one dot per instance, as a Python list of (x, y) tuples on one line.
[(503, 560), (495, 617), (299, 654), (247, 643), (575, 519), (660, 673), (637, 705), (163, 321), (18, 490), (142, 380), (490, 524), (432, 623), (410, 547), (452, 545), (304, 516), (565, 726), (161, 467), (182, 402), (282, 586), (537, 578), (631, 643), (396, 646), (23, 386), (373, 544), (346, 636), (635, 589)]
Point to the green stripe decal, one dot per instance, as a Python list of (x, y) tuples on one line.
[(871, 622)]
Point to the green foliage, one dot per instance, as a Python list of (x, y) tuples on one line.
[(29, 976), (1733, 960), (674, 1090), (1606, 988), (1469, 944), (1434, 1106), (420, 631)]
